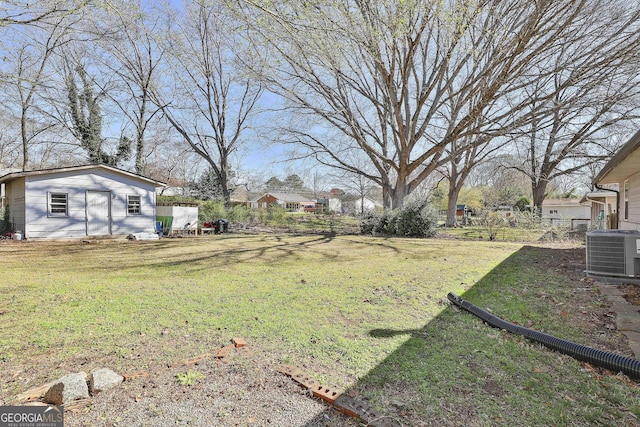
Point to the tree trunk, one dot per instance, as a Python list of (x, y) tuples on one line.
[(539, 190), (397, 199), (399, 192), (452, 203), (25, 142), (223, 180), (387, 195), (140, 163)]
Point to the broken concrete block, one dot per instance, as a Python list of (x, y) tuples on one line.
[(67, 389), (103, 379)]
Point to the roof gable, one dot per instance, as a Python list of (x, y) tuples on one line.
[(623, 164), (44, 172), (287, 197)]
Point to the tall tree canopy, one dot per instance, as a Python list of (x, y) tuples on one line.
[(211, 100), (396, 82)]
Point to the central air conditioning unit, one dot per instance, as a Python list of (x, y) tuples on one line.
[(614, 253)]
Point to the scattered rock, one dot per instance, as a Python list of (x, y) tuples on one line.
[(103, 379), (67, 389)]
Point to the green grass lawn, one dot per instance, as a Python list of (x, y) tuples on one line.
[(357, 312)]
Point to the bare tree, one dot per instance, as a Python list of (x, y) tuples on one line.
[(133, 55), (16, 12), (9, 148), (464, 156), (212, 100), (381, 75), (581, 108), (30, 72)]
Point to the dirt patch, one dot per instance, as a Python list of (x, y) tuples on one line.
[(631, 293), (589, 308), (241, 389)]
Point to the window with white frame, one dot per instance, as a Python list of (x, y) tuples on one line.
[(58, 204), (133, 205), (626, 200)]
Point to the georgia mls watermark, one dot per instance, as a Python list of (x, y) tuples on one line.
[(31, 416)]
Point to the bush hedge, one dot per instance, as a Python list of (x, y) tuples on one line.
[(415, 219)]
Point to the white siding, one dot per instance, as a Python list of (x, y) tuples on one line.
[(633, 221), (182, 215), (566, 212), (76, 184)]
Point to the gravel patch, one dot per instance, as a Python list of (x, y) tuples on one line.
[(243, 389)]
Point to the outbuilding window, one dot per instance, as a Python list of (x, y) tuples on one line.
[(133, 205), (58, 204)]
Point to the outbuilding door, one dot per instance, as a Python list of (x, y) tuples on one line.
[(98, 213)]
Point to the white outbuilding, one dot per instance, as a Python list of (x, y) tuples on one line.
[(91, 200)]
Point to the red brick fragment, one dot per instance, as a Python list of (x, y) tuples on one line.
[(238, 342), (325, 393), (224, 351), (129, 377)]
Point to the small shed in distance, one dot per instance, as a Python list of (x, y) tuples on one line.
[(177, 216)]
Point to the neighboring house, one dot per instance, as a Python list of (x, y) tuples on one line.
[(624, 170), (567, 212), (91, 200), (289, 201), (240, 196), (505, 211), (358, 205), (328, 205), (603, 209)]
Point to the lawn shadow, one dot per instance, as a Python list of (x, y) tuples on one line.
[(455, 370), (200, 254)]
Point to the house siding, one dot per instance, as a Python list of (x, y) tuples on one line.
[(15, 201), (632, 222), (76, 184), (266, 201), (570, 209), (184, 217)]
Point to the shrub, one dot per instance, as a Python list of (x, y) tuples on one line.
[(522, 204), (416, 220), (387, 222), (262, 215), (493, 222), (528, 219), (5, 223), (241, 214), (277, 214), (412, 220), (211, 210), (189, 378), (369, 221)]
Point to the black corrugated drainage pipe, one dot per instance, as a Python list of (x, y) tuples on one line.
[(611, 361)]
